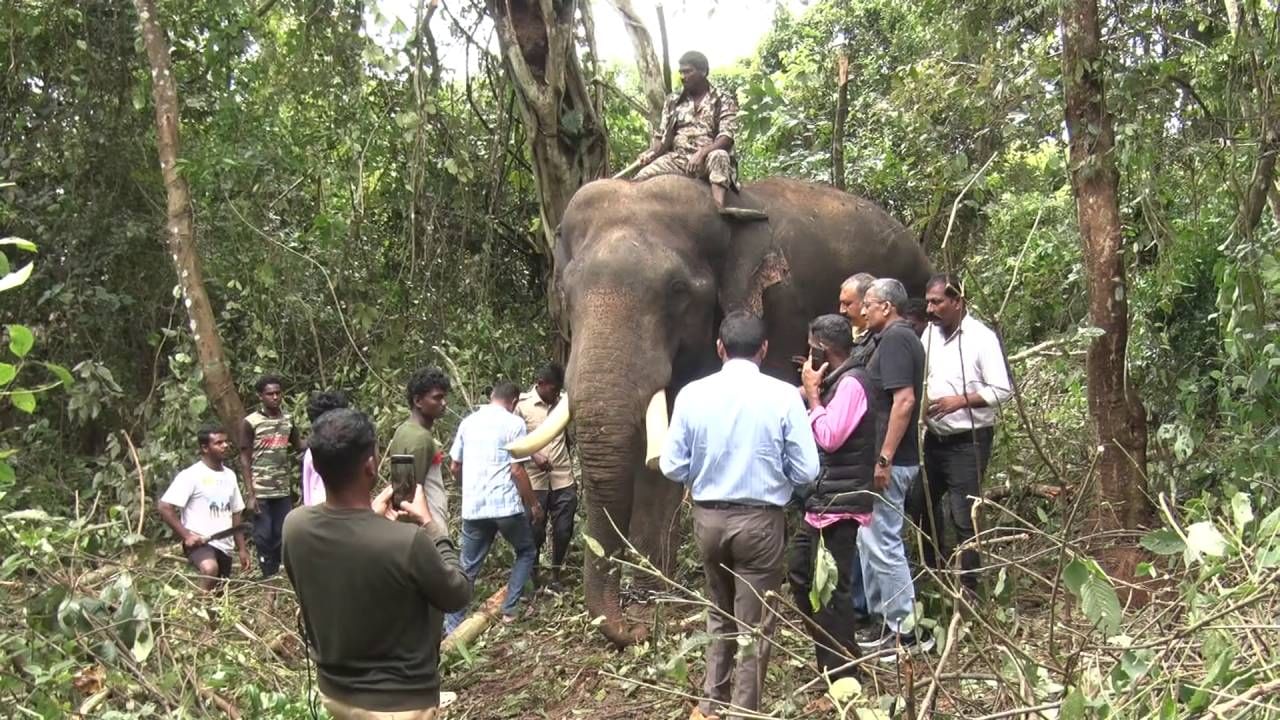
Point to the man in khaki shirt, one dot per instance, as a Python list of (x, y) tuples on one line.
[(550, 474)]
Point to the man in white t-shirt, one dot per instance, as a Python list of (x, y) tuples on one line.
[(208, 498)]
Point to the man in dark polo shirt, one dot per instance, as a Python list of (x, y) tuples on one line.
[(373, 582), (896, 370)]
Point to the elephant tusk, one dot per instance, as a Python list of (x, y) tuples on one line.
[(655, 428), (557, 420)]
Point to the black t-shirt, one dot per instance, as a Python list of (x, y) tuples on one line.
[(898, 362)]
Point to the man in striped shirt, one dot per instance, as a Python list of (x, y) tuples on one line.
[(740, 441)]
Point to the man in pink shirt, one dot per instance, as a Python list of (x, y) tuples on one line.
[(313, 492), (837, 391)]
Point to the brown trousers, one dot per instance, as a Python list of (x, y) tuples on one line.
[(742, 550), (342, 711)]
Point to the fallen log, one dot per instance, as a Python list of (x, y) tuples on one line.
[(475, 625)]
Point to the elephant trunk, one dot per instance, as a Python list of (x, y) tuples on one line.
[(611, 377), (608, 444)]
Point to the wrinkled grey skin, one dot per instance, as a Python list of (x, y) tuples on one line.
[(646, 271)]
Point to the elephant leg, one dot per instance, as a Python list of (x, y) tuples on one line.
[(655, 524)]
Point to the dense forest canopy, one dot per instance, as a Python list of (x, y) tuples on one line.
[(361, 210)]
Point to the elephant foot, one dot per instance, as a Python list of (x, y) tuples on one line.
[(623, 635)]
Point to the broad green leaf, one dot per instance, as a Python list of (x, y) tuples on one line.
[(1163, 542), (825, 574), (21, 340), (1072, 706), (19, 243), (17, 277), (7, 373), (63, 375), (1241, 509), (1270, 525), (845, 690), (594, 546), (1101, 604), (6, 474), (24, 400), (144, 640), (197, 405), (1074, 575), (1204, 539)]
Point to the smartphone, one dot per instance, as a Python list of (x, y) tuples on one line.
[(818, 356), (402, 480)]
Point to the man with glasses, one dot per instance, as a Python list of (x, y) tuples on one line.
[(896, 370)]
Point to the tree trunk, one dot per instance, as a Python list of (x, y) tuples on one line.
[(837, 128), (565, 133), (1119, 418), (180, 228), (646, 60)]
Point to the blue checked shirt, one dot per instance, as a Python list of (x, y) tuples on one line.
[(488, 488), (740, 436)]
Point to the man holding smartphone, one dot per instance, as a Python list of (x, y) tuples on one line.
[(207, 495), (496, 495), (371, 589)]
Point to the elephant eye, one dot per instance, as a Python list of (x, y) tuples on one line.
[(678, 287)]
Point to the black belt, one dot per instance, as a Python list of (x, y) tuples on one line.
[(720, 505), (964, 436)]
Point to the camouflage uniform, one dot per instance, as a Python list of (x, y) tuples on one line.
[(687, 127)]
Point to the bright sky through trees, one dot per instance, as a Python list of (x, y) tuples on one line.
[(724, 31)]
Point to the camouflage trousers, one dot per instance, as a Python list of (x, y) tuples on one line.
[(718, 170)]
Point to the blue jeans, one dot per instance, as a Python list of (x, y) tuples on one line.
[(268, 530), (858, 590), (885, 573), (477, 538)]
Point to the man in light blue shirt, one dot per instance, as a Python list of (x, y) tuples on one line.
[(740, 440), (496, 494)]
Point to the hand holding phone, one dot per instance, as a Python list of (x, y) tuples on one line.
[(402, 480)]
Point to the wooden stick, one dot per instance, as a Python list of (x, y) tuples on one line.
[(627, 170), (475, 625), (142, 482)]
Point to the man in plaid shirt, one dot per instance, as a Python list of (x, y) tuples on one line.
[(497, 497)]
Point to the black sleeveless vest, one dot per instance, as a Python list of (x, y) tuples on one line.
[(845, 481)]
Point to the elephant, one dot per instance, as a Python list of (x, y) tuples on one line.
[(645, 271)]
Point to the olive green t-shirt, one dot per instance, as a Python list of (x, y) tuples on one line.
[(413, 439), (373, 593)]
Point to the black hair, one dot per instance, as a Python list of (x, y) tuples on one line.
[(696, 60), (552, 372), (341, 440), (423, 381), (269, 379), (505, 390), (834, 331), (915, 309), (206, 432), (322, 402), (742, 334), (951, 286)]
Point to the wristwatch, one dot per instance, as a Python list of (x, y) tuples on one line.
[(882, 461)]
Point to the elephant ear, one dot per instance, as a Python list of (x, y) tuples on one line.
[(753, 261)]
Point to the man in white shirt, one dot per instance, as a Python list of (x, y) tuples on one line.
[(497, 497), (968, 380), (208, 498)]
